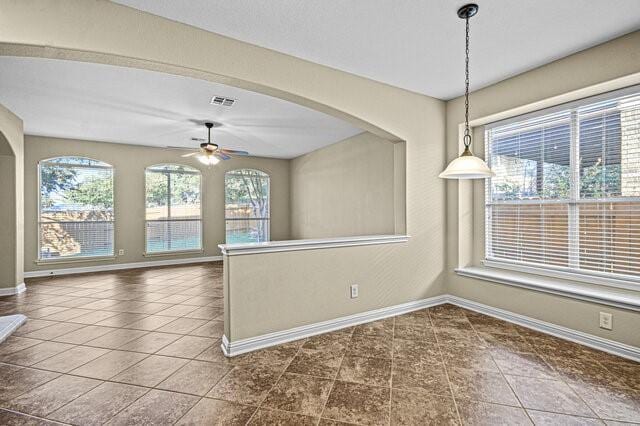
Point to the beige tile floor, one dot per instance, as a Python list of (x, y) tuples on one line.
[(143, 347)]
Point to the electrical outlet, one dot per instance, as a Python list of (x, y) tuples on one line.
[(354, 290), (121, 252), (606, 320)]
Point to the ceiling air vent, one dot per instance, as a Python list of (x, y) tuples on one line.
[(222, 101)]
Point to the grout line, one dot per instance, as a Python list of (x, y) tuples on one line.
[(502, 373), (560, 377), (276, 382), (446, 370), (72, 400), (335, 379), (566, 383), (32, 416), (148, 388)]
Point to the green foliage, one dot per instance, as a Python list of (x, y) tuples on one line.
[(599, 181), (55, 179), (95, 191), (185, 188), (248, 187), (156, 189), (508, 190), (557, 181), (596, 181)]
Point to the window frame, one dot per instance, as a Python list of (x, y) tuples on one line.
[(615, 280), (268, 219), (41, 261), (144, 231)]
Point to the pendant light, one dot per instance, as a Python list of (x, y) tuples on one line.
[(467, 165)]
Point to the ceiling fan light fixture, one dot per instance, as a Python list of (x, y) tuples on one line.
[(208, 160), (467, 165)]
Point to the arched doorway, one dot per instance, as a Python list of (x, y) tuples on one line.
[(11, 207)]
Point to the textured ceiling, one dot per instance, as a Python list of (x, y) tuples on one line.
[(107, 103), (413, 44)]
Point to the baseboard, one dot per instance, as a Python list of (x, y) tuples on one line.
[(242, 346), (9, 324), (11, 291), (595, 342), (119, 266)]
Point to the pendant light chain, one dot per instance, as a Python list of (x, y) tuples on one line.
[(467, 136), (467, 165)]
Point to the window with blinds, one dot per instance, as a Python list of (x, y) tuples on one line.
[(246, 206), (173, 211), (566, 194), (75, 208)]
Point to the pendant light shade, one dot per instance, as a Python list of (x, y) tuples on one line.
[(467, 165)]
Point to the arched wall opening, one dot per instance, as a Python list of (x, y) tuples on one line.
[(389, 274), (7, 213), (12, 205)]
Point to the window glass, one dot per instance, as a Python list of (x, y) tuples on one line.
[(76, 208), (173, 211), (246, 206), (567, 188)]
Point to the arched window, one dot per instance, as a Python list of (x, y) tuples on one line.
[(247, 207), (173, 210), (75, 208)]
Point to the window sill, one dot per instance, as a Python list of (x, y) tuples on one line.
[(615, 281), (297, 245), (173, 253), (75, 260), (626, 299)]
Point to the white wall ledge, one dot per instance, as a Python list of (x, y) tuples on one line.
[(311, 244), (626, 299)]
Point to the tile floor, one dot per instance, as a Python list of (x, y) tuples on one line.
[(142, 347)]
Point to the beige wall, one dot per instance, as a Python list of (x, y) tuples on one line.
[(603, 64), (7, 216), (314, 286), (129, 162), (11, 194), (344, 189)]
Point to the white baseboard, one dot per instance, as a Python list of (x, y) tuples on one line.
[(242, 346), (263, 341), (606, 345), (118, 266), (11, 291), (9, 324)]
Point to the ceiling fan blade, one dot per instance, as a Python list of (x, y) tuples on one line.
[(233, 152), (191, 154), (183, 148), (221, 155)]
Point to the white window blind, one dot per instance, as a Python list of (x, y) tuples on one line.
[(566, 194), (246, 206), (173, 211), (75, 208)]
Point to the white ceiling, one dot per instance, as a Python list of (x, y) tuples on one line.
[(107, 103), (413, 44)]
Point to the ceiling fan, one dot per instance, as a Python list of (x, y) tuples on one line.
[(210, 153)]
